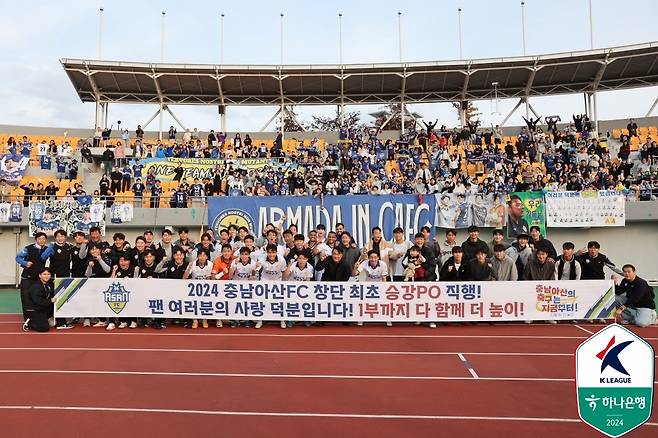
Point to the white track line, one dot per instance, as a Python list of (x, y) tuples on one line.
[(298, 414), (584, 329), (468, 366), (282, 376), (190, 350)]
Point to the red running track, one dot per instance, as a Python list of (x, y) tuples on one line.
[(404, 381)]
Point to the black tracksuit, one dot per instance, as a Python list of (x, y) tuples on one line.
[(638, 293), (449, 272), (334, 271), (591, 268), (39, 306)]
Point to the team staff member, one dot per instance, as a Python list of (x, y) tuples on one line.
[(98, 266), (60, 254), (635, 299), (39, 303), (32, 261), (592, 263)]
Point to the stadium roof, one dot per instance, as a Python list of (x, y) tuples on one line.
[(440, 81)]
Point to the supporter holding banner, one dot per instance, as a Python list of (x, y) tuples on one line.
[(70, 216), (603, 208), (525, 209), (456, 210), (358, 213), (329, 301), (164, 169)]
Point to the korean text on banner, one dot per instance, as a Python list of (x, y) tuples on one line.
[(351, 301)]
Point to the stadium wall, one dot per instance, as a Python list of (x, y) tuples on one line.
[(635, 243)]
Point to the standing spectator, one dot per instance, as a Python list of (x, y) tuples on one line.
[(455, 268), (635, 299), (139, 132), (445, 247), (520, 252), (537, 241), (108, 160), (399, 247), (115, 177), (172, 133), (473, 243), (593, 262), (503, 265), (334, 268), (539, 267), (566, 266), (632, 128)]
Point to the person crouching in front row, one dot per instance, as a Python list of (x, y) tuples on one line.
[(40, 306)]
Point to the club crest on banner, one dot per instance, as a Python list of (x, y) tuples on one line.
[(233, 216), (116, 296)]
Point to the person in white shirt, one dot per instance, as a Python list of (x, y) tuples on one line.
[(244, 269), (272, 269), (399, 247), (200, 269), (299, 270), (323, 250), (375, 270)]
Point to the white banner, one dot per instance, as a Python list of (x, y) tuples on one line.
[(315, 301), (605, 208)]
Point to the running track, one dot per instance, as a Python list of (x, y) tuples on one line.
[(404, 381)]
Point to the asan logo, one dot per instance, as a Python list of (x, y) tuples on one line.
[(116, 296), (233, 216)]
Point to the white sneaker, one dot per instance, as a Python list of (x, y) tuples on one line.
[(219, 323), (133, 325), (602, 321), (417, 323), (110, 327), (432, 325), (259, 324), (283, 324), (100, 324), (123, 325), (86, 323), (552, 321), (529, 322), (51, 322), (360, 324), (389, 324)]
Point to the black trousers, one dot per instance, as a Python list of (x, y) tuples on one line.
[(26, 286), (39, 320)]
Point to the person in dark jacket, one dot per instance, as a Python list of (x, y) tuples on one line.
[(480, 269), (39, 305), (635, 299), (335, 268), (473, 243), (539, 267), (455, 268), (592, 263), (31, 260), (537, 241)]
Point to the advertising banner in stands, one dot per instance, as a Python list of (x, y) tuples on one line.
[(603, 208), (164, 168), (525, 209), (70, 216), (13, 167), (462, 211), (359, 213), (348, 301)]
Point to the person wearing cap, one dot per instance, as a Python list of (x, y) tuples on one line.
[(539, 267), (520, 252), (537, 241), (473, 243), (480, 269), (455, 268), (593, 262), (567, 267), (635, 299), (498, 239), (503, 265)]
